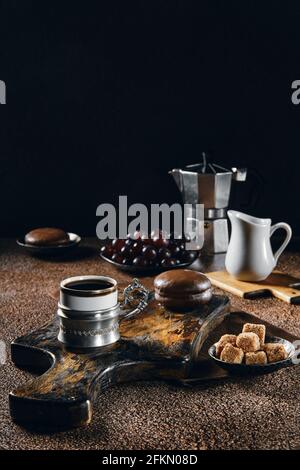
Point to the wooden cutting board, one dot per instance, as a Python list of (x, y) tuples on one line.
[(280, 285)]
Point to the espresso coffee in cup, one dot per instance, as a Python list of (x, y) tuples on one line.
[(88, 311), (90, 285)]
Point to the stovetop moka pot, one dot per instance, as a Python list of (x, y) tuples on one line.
[(209, 184)]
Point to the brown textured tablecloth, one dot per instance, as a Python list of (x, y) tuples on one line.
[(256, 413)]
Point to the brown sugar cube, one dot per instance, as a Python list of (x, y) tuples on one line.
[(232, 354), (248, 342), (225, 339), (258, 357), (260, 330), (275, 352)]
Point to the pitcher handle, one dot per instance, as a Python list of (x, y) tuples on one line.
[(288, 230)]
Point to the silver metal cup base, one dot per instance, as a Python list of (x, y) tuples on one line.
[(95, 343), (88, 329), (88, 339)]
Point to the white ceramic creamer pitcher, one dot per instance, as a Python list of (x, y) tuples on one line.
[(250, 256)]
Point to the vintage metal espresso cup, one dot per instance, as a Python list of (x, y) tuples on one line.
[(89, 310)]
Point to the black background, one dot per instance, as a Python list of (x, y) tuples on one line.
[(103, 98)]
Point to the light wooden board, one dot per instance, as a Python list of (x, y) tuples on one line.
[(280, 285)]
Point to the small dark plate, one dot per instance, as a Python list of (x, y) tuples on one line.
[(51, 250), (151, 269), (245, 369)]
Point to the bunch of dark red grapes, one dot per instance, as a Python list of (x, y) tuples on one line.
[(157, 252)]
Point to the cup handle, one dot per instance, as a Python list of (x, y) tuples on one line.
[(143, 294), (288, 230)]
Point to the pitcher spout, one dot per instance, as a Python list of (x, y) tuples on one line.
[(248, 219)]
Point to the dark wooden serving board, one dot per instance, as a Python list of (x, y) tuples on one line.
[(156, 344)]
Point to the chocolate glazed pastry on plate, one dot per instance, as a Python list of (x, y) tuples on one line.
[(182, 289), (49, 241), (47, 237)]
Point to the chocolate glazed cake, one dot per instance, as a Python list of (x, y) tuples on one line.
[(182, 289)]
